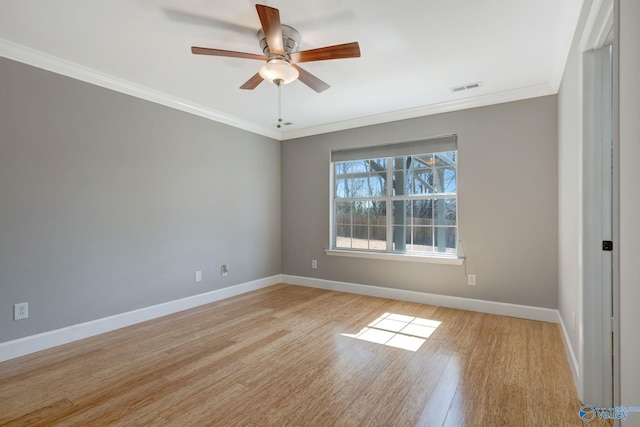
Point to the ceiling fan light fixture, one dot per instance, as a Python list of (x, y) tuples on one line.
[(278, 69)]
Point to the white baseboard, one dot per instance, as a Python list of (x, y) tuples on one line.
[(33, 343), (491, 307), (45, 340), (571, 357)]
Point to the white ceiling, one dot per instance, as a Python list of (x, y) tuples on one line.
[(413, 53)]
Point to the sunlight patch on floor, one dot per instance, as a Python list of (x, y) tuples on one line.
[(397, 330)]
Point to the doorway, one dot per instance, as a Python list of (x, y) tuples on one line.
[(599, 334)]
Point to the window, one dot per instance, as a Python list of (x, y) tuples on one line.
[(399, 198)]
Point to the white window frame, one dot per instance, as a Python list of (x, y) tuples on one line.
[(414, 147)]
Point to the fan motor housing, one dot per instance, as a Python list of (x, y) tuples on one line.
[(290, 41)]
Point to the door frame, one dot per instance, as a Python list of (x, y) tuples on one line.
[(599, 356)]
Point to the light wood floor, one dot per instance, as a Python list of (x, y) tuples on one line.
[(288, 355)]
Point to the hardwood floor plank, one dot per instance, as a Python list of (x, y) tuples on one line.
[(289, 355), (43, 415), (422, 389), (437, 406)]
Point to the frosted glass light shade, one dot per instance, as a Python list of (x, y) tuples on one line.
[(278, 69)]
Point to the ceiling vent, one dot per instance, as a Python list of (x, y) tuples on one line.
[(466, 87)]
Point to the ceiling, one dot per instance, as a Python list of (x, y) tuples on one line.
[(413, 53)]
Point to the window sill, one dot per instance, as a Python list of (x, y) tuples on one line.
[(429, 259)]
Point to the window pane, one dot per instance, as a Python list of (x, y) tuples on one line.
[(401, 219), (401, 212), (422, 174), (378, 240), (342, 217), (343, 236), (378, 213), (445, 238), (360, 237), (378, 185), (378, 177), (422, 161), (358, 187), (378, 225), (342, 188), (440, 212), (353, 167), (361, 179), (401, 176), (423, 212), (423, 182), (450, 212), (343, 212), (361, 224), (449, 184), (445, 211), (447, 158), (399, 243), (422, 239), (445, 172)]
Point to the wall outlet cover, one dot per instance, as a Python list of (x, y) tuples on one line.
[(20, 311), (471, 279)]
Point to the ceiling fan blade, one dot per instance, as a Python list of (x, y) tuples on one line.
[(252, 82), (219, 52), (339, 51), (270, 20), (310, 80)]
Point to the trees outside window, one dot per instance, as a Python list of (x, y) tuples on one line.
[(399, 203)]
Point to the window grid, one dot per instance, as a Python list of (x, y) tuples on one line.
[(438, 224)]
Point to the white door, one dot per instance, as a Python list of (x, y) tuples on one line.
[(598, 242)]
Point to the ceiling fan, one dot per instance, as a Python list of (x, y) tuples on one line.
[(280, 45)]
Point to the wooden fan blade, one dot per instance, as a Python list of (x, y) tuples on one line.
[(252, 82), (219, 52), (339, 51), (270, 20), (310, 80)]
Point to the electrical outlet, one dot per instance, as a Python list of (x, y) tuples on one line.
[(20, 311), (314, 263), (224, 270), (198, 277), (471, 279)]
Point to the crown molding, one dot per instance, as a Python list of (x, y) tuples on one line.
[(60, 66), (427, 110), (29, 56)]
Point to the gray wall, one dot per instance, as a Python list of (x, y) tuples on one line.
[(507, 204), (109, 203), (570, 190)]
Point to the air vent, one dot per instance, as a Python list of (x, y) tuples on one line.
[(466, 87)]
